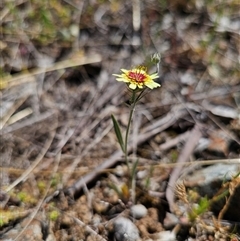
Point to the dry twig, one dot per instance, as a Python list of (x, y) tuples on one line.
[(188, 149)]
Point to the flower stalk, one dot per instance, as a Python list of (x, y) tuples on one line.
[(132, 107), (137, 79)]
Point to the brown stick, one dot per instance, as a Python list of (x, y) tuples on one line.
[(188, 149)]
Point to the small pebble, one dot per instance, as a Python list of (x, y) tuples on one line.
[(100, 206), (125, 230), (170, 220), (142, 174), (166, 236), (138, 211), (120, 170), (97, 219)]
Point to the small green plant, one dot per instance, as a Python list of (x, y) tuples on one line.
[(7, 216), (56, 179), (1, 221), (41, 186), (148, 181), (22, 196), (202, 207), (53, 215), (26, 198), (42, 22), (137, 79)]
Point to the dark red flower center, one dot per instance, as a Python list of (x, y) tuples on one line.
[(138, 77)]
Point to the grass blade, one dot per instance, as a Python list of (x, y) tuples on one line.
[(118, 133)]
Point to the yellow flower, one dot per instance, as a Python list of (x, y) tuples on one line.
[(138, 78)]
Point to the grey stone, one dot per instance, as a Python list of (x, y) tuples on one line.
[(166, 236), (138, 211), (125, 230)]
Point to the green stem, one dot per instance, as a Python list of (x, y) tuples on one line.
[(220, 196), (133, 104)]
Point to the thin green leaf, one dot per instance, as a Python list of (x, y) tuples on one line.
[(134, 168), (118, 133), (115, 188), (148, 182)]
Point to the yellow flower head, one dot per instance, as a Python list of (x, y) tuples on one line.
[(138, 78)]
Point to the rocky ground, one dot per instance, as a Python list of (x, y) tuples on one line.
[(63, 175)]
